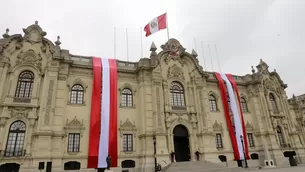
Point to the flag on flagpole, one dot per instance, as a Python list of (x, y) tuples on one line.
[(156, 24), (103, 139)]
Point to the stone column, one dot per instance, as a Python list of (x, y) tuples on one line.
[(268, 162), (3, 79)]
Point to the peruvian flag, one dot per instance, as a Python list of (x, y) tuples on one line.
[(103, 139), (236, 127), (155, 25)]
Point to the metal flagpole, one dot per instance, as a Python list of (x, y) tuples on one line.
[(127, 44), (114, 43), (205, 67), (195, 44), (211, 57), (141, 42), (217, 58), (167, 26)]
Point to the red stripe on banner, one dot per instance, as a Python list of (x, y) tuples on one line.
[(95, 117), (162, 21), (113, 128), (229, 76), (223, 93), (147, 30)]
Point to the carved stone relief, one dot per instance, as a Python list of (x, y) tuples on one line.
[(78, 81), (127, 126), (158, 102), (19, 113), (175, 72), (49, 102), (217, 127), (74, 126), (29, 57), (175, 51)]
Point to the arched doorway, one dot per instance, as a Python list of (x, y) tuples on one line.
[(181, 143), (9, 167)]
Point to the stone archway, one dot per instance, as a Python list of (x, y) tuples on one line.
[(181, 143)]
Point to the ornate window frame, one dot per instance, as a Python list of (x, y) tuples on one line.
[(212, 93), (127, 128), (74, 126), (133, 92), (77, 81), (242, 96)]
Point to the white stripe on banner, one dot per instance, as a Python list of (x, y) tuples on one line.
[(237, 121), (105, 115)]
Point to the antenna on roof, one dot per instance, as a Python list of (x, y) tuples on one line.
[(114, 42)]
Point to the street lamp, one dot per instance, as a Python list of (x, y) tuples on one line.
[(155, 152), (242, 143)]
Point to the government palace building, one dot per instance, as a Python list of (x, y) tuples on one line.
[(169, 109)]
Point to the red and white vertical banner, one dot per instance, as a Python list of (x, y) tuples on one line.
[(103, 139), (237, 128)]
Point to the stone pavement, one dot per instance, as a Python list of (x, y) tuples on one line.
[(213, 167)]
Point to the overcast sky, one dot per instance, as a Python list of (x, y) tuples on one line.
[(243, 31)]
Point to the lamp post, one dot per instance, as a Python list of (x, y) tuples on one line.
[(242, 143), (155, 152)]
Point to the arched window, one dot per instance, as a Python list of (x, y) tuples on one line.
[(243, 103), (213, 103), (77, 94), (25, 85), (273, 103), (15, 139), (177, 95), (280, 136), (127, 98)]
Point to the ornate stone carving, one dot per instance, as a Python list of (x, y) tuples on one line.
[(249, 127), (29, 57), (175, 50), (127, 126), (175, 72), (217, 127), (34, 34), (74, 126), (19, 113), (78, 81), (158, 102), (49, 102)]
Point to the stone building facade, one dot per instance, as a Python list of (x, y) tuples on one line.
[(45, 95)]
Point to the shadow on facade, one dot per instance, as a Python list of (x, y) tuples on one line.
[(9, 167), (72, 165), (290, 155)]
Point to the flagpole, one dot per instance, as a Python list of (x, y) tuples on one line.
[(127, 44), (167, 29), (217, 58), (141, 42), (205, 67), (114, 42), (211, 57)]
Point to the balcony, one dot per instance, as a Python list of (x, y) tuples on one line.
[(13, 153), (22, 100), (178, 107)]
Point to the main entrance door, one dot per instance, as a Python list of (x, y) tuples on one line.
[(181, 143), (9, 167)]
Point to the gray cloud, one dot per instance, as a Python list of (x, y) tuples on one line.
[(244, 31)]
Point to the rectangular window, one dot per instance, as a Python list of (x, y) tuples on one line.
[(218, 141), (73, 142), (250, 140), (127, 142)]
